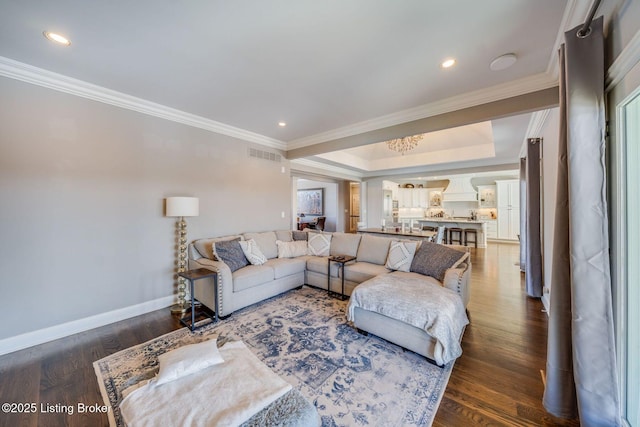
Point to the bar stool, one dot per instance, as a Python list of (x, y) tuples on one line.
[(453, 231), (471, 231)]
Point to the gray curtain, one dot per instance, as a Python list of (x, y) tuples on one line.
[(581, 359), (523, 213), (533, 239)]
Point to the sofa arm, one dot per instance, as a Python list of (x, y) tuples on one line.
[(225, 285), (458, 279)]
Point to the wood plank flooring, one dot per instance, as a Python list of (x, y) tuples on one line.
[(495, 382)]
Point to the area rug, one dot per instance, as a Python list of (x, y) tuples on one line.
[(304, 337)]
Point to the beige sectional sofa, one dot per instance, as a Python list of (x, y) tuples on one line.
[(253, 283)]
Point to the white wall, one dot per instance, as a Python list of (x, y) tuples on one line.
[(82, 186), (374, 203)]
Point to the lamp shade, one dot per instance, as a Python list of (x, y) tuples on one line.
[(183, 206)]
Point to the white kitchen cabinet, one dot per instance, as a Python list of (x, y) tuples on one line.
[(486, 196), (423, 197), (508, 201), (413, 197), (405, 197), (492, 229)]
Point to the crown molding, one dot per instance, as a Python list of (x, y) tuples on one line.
[(629, 57), (328, 170), (534, 130), (483, 96), (574, 15), (41, 77)]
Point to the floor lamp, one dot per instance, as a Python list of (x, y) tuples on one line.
[(182, 207)]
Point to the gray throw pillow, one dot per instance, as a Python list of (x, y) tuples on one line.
[(230, 252), (300, 235), (433, 259)]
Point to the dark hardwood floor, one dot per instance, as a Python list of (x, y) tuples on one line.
[(495, 382), (497, 379)]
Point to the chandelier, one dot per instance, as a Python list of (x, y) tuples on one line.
[(402, 145)]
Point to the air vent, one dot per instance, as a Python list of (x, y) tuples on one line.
[(265, 155)]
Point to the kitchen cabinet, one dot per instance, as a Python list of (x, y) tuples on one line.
[(492, 229), (405, 197), (412, 197), (508, 202), (423, 197), (486, 196)]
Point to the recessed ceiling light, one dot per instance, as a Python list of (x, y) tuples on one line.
[(282, 124), (503, 61), (56, 38), (448, 63)]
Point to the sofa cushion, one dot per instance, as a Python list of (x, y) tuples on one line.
[(230, 252), (345, 244), (283, 267), (433, 259), (266, 241), (291, 249), (319, 244), (401, 254), (284, 235), (252, 252), (205, 246), (318, 264), (373, 249), (300, 235), (252, 276), (361, 271)]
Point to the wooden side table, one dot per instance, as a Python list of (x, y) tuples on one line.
[(192, 276), (341, 260)]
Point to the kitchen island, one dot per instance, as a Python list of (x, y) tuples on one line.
[(477, 224)]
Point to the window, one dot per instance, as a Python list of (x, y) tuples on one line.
[(628, 301)]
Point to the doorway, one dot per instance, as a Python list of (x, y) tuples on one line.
[(354, 206)]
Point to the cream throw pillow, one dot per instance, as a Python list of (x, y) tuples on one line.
[(187, 360), (291, 249), (401, 253), (252, 252), (319, 244)]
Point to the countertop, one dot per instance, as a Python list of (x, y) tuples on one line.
[(393, 232), (465, 220)]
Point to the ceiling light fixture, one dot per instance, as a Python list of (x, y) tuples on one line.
[(402, 145), (282, 124), (503, 62), (54, 37), (448, 63)]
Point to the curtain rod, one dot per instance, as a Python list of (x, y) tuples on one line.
[(586, 27)]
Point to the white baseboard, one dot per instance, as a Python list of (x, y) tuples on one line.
[(29, 339), (545, 302)]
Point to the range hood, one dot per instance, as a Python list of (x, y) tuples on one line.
[(460, 190)]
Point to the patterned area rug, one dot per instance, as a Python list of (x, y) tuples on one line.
[(304, 337)]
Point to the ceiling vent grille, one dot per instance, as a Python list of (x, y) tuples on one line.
[(265, 155)]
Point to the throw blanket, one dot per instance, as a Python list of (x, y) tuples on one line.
[(416, 301), (226, 394)]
